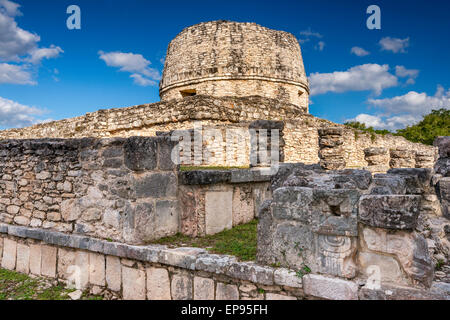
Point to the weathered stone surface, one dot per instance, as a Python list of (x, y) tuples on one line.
[(329, 288), (140, 153), (276, 296), (226, 291), (113, 274), (218, 211), (444, 195), (48, 263), (156, 185), (97, 269), (286, 277), (158, 284), (214, 263), (181, 257), (396, 212), (181, 287), (203, 288), (166, 218), (196, 177), (23, 258), (133, 284), (35, 259), (251, 272), (389, 269), (66, 261), (410, 249), (243, 205)]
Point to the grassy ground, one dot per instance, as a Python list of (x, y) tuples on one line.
[(17, 286), (239, 241)]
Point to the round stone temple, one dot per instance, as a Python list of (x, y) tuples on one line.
[(223, 58)]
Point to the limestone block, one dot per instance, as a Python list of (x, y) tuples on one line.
[(23, 258), (166, 218), (218, 211), (35, 259), (329, 288), (97, 269), (140, 153), (158, 284), (251, 272), (243, 205), (48, 263), (286, 277), (133, 283), (183, 257), (386, 267), (203, 288), (410, 248), (398, 212), (181, 287), (214, 263), (276, 296), (66, 261), (113, 273), (9, 254), (156, 185), (81, 269), (226, 291)]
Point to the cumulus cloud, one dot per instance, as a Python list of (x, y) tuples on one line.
[(411, 74), (14, 114), (134, 63), (360, 52), (395, 45), (370, 77), (414, 102), (15, 74), (19, 46), (308, 33), (401, 111), (37, 55)]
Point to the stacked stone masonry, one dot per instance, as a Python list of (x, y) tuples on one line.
[(223, 58)]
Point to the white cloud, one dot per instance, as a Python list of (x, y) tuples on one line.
[(395, 45), (141, 81), (320, 45), (10, 8), (14, 114), (401, 111), (414, 103), (360, 52), (19, 46), (133, 63), (44, 53), (372, 77), (15, 74), (381, 122), (411, 74)]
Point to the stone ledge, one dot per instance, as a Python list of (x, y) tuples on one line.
[(205, 177), (183, 257)]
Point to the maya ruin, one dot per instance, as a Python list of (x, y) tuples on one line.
[(342, 215)]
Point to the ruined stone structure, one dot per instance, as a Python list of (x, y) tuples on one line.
[(91, 194), (222, 58)]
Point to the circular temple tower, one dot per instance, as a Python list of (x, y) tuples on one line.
[(223, 58)]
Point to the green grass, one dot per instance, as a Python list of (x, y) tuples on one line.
[(194, 168), (17, 286), (239, 241)]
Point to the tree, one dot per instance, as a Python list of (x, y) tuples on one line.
[(434, 124)]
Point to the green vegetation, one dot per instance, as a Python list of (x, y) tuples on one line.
[(193, 168), (239, 241), (435, 124), (17, 286)]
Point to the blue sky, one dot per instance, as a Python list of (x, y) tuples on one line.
[(387, 78)]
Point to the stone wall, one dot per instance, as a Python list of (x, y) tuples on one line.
[(352, 225), (301, 143), (142, 272), (223, 58), (123, 189), (212, 201)]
